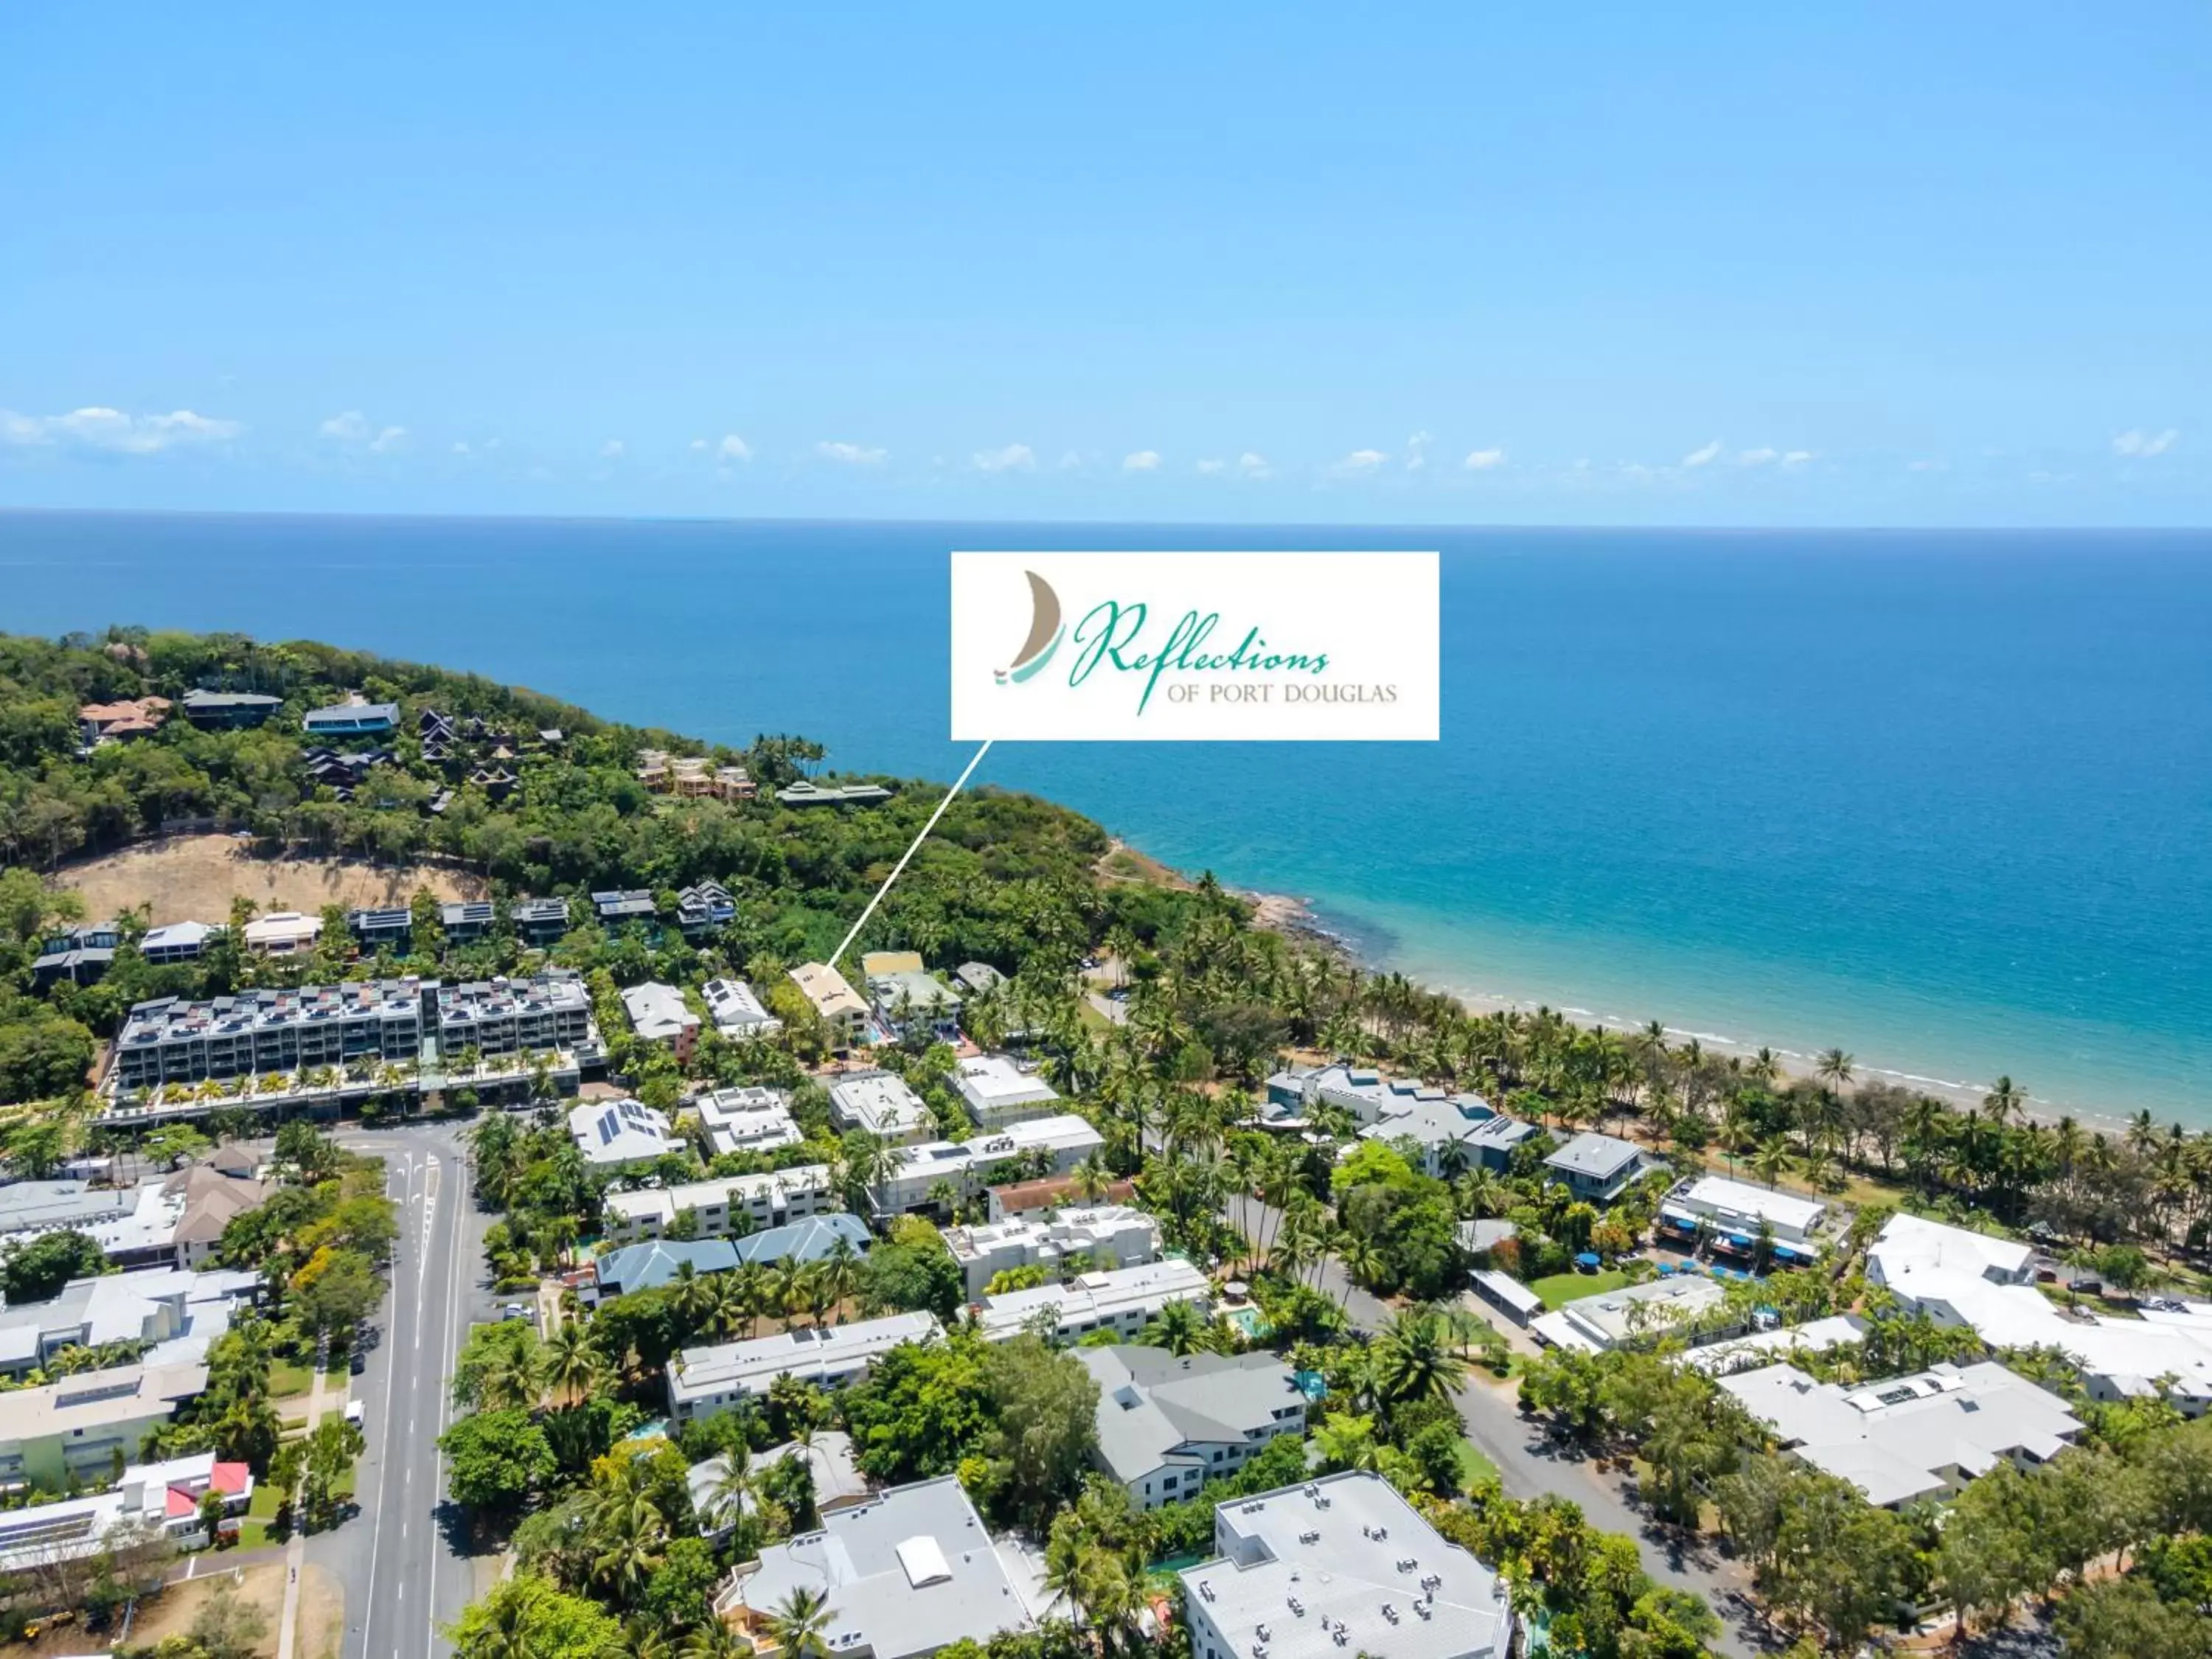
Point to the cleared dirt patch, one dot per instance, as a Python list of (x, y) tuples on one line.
[(194, 879)]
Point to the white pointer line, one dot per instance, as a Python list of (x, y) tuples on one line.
[(909, 853)]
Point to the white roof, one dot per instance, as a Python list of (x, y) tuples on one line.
[(1602, 1156), (615, 1132), (1118, 1292), (747, 1119), (1597, 1322), (1346, 1555), (749, 1367), (657, 1013), (808, 1178), (283, 924), (907, 1575), (176, 933), (1756, 1348), (1727, 1200), (1911, 1243), (1911, 1436), (881, 1103), (737, 1007), (994, 1080), (1507, 1290)]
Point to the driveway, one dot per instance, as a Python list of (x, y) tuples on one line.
[(1530, 1465)]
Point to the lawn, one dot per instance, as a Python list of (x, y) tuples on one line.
[(286, 1379), (1473, 1467), (1559, 1289)]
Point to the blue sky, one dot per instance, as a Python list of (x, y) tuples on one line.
[(1912, 264)]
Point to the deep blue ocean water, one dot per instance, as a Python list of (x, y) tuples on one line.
[(1945, 800)]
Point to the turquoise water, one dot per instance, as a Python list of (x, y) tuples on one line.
[(1945, 800)]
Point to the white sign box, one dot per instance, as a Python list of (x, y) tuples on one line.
[(1217, 647)]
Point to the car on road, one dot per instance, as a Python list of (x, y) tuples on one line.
[(514, 1310), (354, 1412)]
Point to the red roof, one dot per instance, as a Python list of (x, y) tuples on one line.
[(232, 1478)]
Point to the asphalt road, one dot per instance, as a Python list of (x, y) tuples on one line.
[(403, 1559), (1529, 1464)]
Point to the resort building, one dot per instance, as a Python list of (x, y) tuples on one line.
[(838, 1006), (180, 1313), (1912, 1437), (620, 1134), (548, 1013), (81, 956), (1024, 1198), (281, 934), (539, 922), (1687, 1306), (1050, 1145), (748, 1120), (1451, 1129), (1341, 1565), (380, 930), (1960, 1278), (177, 941), (251, 1032), (881, 1104), (1733, 1218), (73, 1429), (837, 1479), (692, 777), (177, 1220), (1108, 1236), (1168, 1424), (355, 717), (997, 1091), (152, 1502), (764, 1200), (1507, 1295), (1122, 1300), (706, 1381), (704, 905), (1597, 1168), (229, 711), (615, 909), (904, 1576), (660, 1261), (738, 1012), (119, 722), (465, 923), (911, 997), (807, 792), (977, 977), (1778, 1347), (658, 1013)]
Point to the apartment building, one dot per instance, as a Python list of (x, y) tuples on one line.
[(1169, 1423), (765, 1200), (834, 1000), (172, 1041), (748, 1120), (706, 1381), (281, 934), (539, 921), (704, 905), (1055, 1144), (881, 1104), (737, 1010), (547, 1012), (658, 1013), (998, 1090), (1121, 1300), (1110, 1235), (74, 1429)]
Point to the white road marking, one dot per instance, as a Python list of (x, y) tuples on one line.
[(445, 1409)]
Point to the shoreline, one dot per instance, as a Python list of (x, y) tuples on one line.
[(1296, 917)]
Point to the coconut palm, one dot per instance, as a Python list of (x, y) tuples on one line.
[(725, 1497), (1834, 1068), (840, 1271), (797, 1624), (573, 1366), (632, 1538), (1181, 1328), (1415, 1358)]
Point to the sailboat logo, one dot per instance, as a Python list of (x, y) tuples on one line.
[(1045, 631)]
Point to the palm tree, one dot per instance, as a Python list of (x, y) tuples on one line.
[(1181, 1328), (797, 1624), (1414, 1358), (1834, 1068), (691, 1295), (1363, 1258), (509, 1381), (2004, 1098), (634, 1538), (840, 1271), (1773, 1159), (753, 1290), (726, 1499), (1092, 1177), (573, 1366)]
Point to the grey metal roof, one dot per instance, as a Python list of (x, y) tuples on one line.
[(1599, 1157)]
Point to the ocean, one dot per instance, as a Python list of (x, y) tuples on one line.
[(1944, 800)]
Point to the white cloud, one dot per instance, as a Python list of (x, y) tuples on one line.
[(1927, 466), (460, 448), (350, 427), (1361, 463), (1211, 467), (2144, 444), (1417, 451), (1254, 466), (733, 448), (1704, 457), (390, 441), (699, 443), (1482, 460), (1796, 458), (113, 432), (1070, 460), (1757, 457), (1014, 458), (850, 454), (1144, 460), (611, 450)]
